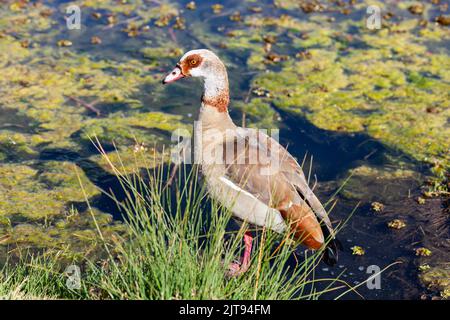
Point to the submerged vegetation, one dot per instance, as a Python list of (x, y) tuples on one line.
[(392, 83), (172, 245), (315, 60)]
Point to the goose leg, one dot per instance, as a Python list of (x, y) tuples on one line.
[(236, 268)]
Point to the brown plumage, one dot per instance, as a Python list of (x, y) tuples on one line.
[(275, 190), (220, 102), (248, 172)]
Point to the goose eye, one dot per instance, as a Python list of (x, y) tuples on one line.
[(193, 62)]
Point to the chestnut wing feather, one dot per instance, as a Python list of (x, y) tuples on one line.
[(277, 180)]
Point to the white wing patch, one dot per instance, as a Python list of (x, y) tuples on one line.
[(244, 205)]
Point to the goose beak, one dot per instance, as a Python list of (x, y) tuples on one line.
[(174, 75)]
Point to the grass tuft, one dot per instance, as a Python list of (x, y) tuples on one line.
[(177, 244)]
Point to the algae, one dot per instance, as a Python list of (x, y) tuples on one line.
[(375, 183), (63, 96), (39, 194), (378, 82), (358, 251), (315, 59), (437, 279)]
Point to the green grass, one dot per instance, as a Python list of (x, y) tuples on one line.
[(175, 246)]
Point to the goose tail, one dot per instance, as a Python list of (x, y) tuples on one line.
[(333, 246)]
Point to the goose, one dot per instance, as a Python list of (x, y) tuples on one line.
[(271, 192)]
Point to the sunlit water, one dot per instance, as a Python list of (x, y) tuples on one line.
[(334, 153)]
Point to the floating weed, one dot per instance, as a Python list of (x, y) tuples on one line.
[(445, 294), (423, 252), (437, 279), (396, 224), (377, 206), (217, 8), (424, 267), (119, 128), (391, 84), (96, 40), (173, 247), (443, 20), (358, 251), (191, 5), (373, 183), (416, 9), (421, 200), (64, 43), (37, 194)]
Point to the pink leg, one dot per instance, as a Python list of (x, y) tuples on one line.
[(248, 239), (235, 268)]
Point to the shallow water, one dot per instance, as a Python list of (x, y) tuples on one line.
[(357, 101)]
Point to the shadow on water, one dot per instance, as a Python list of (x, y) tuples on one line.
[(334, 153), (101, 178), (111, 185), (344, 151)]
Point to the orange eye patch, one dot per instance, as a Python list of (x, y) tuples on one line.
[(190, 62)]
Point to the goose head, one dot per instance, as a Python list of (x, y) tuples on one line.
[(204, 64), (198, 63)]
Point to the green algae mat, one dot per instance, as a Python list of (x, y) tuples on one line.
[(317, 61)]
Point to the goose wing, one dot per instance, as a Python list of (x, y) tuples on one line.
[(260, 165)]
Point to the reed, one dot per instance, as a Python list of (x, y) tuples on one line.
[(177, 245)]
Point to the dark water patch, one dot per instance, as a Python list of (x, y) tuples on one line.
[(12, 120), (59, 154), (96, 174), (173, 97), (334, 152), (107, 182), (381, 247), (17, 219)]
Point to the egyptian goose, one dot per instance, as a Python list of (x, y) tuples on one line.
[(272, 193)]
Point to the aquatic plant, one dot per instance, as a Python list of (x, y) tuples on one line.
[(314, 60), (173, 245)]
